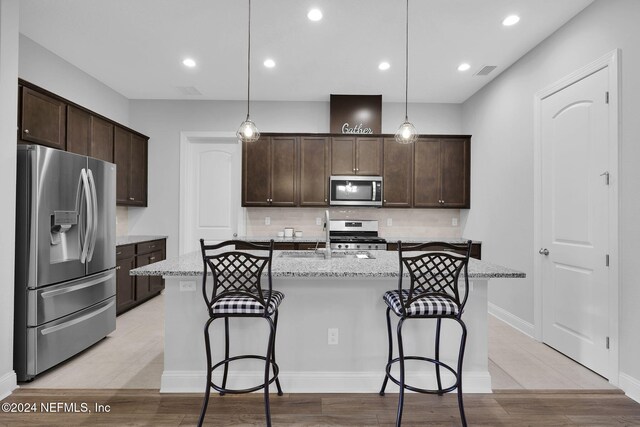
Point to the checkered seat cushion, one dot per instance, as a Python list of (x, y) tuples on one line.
[(430, 305), (240, 304)]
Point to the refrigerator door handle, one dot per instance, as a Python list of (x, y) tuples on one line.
[(94, 204), (89, 227)]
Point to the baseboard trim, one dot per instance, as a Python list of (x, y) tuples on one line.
[(512, 320), (319, 382), (630, 386), (8, 383)]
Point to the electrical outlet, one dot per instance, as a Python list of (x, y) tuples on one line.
[(318, 221), (454, 221), (187, 286), (267, 220), (332, 336), (389, 222)]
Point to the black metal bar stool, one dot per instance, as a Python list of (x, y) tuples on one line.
[(433, 293), (237, 292)]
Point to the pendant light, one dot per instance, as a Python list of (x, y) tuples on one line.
[(406, 133), (248, 132)]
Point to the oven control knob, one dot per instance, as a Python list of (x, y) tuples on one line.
[(358, 246), (339, 246), (369, 246)]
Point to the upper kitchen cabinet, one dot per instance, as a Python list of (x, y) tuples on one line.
[(356, 156), (398, 174), (42, 118), (442, 173), (89, 135), (269, 171), (130, 155), (78, 131), (101, 139), (314, 171)]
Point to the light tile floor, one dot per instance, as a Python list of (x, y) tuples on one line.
[(132, 357)]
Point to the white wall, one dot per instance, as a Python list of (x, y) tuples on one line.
[(8, 118), (163, 121), (47, 70), (500, 118)]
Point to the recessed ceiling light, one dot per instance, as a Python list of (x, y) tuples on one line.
[(463, 67), (314, 15), (384, 66), (188, 62), (269, 63), (510, 20)]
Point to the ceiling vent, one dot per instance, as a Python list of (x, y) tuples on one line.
[(188, 90), (486, 70)]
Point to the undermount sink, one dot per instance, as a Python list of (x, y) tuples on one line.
[(322, 255)]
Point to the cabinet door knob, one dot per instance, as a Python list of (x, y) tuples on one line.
[(118, 267), (26, 131), (131, 198), (384, 201), (152, 258)]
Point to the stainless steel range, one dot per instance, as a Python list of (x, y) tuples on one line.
[(355, 234)]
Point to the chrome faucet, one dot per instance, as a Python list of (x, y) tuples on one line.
[(326, 229)]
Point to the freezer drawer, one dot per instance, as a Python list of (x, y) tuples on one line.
[(54, 302), (57, 341)]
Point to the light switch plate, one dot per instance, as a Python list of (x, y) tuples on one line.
[(318, 221), (454, 222), (267, 220), (389, 222)]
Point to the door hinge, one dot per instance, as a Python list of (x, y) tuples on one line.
[(607, 343), (607, 260), (606, 97)]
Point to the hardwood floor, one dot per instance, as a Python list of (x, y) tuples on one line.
[(149, 408)]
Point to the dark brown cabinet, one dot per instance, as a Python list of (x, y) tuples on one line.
[(476, 249), (125, 284), (78, 131), (133, 290), (42, 119), (398, 174), (47, 119), (130, 155), (101, 139), (294, 170), (89, 135), (314, 171), (356, 156), (442, 173), (269, 171)]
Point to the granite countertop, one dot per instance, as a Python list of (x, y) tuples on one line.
[(129, 240), (384, 265)]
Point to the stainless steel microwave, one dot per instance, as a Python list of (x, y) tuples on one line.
[(347, 190)]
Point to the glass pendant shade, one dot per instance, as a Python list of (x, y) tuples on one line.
[(406, 133), (248, 132)]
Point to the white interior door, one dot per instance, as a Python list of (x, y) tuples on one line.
[(210, 190), (574, 161)]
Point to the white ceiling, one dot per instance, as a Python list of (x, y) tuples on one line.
[(136, 47)]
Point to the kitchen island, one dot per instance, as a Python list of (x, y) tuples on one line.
[(343, 293)]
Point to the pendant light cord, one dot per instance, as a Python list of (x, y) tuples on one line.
[(249, 61), (406, 68)]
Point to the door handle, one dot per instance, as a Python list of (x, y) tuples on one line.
[(544, 252)]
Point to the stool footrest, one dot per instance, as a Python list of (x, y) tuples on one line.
[(219, 389), (418, 389)]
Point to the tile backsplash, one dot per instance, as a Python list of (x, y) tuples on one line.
[(391, 222), (122, 221)]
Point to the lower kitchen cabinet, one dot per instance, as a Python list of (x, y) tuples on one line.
[(125, 284), (132, 291), (476, 248)]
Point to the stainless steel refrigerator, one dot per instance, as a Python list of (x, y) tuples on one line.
[(65, 256)]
